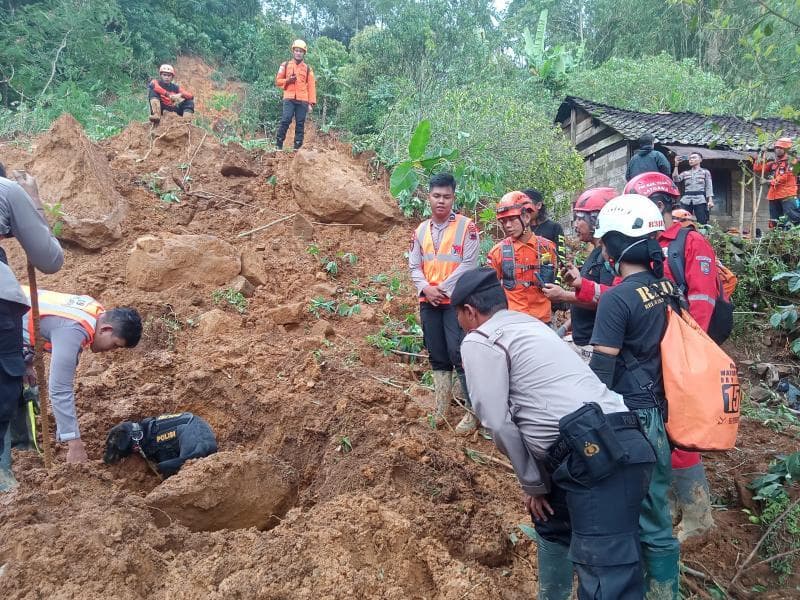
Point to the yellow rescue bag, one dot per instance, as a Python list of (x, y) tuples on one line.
[(701, 383)]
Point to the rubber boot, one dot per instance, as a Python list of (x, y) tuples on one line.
[(7, 479), (555, 570), (442, 390), (188, 114), (468, 422), (661, 576), (155, 111), (692, 501)]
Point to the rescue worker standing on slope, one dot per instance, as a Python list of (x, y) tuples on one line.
[(68, 324), (595, 269), (22, 217), (443, 248), (579, 455), (164, 94), (524, 262), (296, 79), (631, 320), (690, 488), (782, 194)]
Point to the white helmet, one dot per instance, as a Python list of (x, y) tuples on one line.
[(631, 215)]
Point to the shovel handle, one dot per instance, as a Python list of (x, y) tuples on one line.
[(38, 365)]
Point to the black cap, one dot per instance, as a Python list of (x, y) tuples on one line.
[(646, 139), (473, 281)]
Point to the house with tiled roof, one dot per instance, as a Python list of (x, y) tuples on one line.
[(607, 136)]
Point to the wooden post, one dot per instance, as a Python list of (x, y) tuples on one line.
[(742, 190), (756, 195), (38, 363)]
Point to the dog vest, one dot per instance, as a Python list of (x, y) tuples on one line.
[(161, 440)]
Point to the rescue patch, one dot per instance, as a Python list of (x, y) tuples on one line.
[(166, 436)]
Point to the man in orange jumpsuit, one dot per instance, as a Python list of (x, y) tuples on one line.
[(164, 94), (524, 262), (782, 194), (296, 79)]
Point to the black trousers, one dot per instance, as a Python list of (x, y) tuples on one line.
[(185, 105), (442, 335), (12, 365), (599, 520), (293, 109), (698, 210), (785, 207)]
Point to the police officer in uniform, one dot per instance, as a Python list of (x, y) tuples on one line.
[(22, 217), (572, 442), (631, 320)]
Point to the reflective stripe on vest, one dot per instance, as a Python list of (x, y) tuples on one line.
[(84, 310), (439, 265)]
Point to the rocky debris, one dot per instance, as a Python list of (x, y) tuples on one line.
[(322, 328), (216, 323), (287, 314), (768, 372), (331, 188), (227, 490), (243, 286), (760, 394), (237, 162), (253, 266), (303, 228), (73, 172), (164, 261)]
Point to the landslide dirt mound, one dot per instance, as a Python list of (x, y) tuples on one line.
[(329, 482)]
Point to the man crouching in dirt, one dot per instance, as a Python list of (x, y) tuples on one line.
[(164, 94), (579, 454), (22, 217), (70, 323)]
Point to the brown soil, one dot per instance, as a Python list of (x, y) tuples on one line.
[(329, 482)]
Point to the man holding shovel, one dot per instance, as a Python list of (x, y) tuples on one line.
[(21, 217)]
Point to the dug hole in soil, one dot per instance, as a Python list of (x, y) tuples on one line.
[(329, 482)]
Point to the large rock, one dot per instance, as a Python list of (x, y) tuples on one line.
[(227, 490), (160, 262), (332, 188), (71, 171)]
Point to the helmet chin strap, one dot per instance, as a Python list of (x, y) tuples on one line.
[(621, 254)]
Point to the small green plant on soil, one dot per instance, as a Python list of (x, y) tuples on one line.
[(345, 446), (320, 307), (780, 515), (785, 318), (56, 214), (364, 295), (332, 264), (394, 284), (230, 297), (153, 183), (404, 335)]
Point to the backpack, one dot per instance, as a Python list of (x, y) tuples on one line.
[(701, 383), (721, 325)]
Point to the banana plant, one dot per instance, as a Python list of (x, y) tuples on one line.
[(421, 163)]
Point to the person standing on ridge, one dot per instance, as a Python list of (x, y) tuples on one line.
[(21, 217), (443, 248), (782, 194), (164, 94), (647, 159), (296, 79)]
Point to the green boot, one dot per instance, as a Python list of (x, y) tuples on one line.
[(692, 501), (661, 576), (555, 570)]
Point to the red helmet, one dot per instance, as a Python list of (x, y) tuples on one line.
[(784, 142), (594, 199), (651, 183), (512, 205)]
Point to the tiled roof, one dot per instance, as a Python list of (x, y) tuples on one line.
[(686, 128)]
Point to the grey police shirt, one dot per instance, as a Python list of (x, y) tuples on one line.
[(522, 379)]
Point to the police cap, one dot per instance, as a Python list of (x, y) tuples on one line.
[(477, 280)]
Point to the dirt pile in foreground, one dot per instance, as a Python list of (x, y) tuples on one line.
[(329, 482)]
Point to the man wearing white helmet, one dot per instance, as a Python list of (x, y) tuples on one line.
[(631, 320), (164, 94), (296, 79)]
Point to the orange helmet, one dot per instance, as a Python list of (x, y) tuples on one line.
[(166, 69), (784, 142), (512, 205), (684, 217)]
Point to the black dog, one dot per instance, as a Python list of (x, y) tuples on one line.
[(167, 441)]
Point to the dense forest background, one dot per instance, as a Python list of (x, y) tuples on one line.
[(488, 80)]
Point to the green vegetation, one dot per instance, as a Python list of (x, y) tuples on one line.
[(320, 307), (403, 336), (230, 297)]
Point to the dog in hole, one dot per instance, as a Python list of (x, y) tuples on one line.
[(165, 441)]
